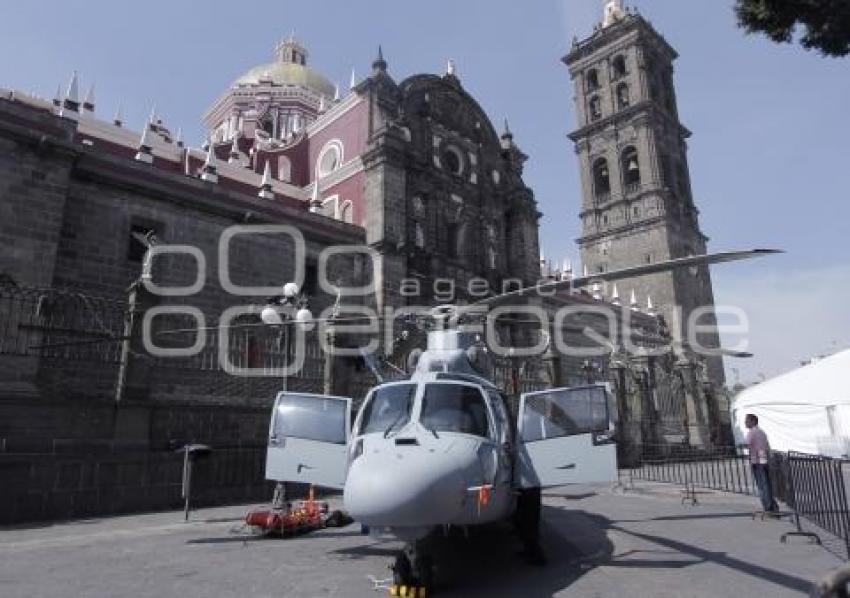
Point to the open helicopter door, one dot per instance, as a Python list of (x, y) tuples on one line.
[(566, 437), (308, 438)]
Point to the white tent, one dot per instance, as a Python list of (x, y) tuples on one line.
[(805, 410)]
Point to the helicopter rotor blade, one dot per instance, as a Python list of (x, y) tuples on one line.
[(642, 270)]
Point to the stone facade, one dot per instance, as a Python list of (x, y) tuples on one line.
[(637, 203)]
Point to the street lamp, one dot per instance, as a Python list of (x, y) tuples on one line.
[(285, 310)]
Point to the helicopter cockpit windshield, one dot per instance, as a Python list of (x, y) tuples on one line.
[(454, 408), (388, 408)]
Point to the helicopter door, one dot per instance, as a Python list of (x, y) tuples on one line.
[(308, 436), (566, 437)]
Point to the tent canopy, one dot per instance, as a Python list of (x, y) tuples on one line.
[(805, 410)]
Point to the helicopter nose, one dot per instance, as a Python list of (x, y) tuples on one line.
[(407, 488)]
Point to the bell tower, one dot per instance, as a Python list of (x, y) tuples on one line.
[(637, 205)]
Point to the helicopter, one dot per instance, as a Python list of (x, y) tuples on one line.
[(442, 448)]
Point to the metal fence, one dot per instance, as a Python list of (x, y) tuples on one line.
[(52, 337), (812, 486), (721, 468), (815, 488)]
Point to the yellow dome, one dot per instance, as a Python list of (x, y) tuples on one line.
[(288, 73)]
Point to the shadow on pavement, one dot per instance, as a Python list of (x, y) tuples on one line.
[(721, 558), (687, 517), (487, 562)]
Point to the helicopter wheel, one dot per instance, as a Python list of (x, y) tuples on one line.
[(411, 581), (423, 567), (402, 571)]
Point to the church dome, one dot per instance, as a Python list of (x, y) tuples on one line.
[(290, 68)]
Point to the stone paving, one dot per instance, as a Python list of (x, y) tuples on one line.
[(599, 541)]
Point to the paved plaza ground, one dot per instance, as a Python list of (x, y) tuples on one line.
[(600, 542)]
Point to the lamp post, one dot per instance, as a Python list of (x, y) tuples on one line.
[(286, 310)]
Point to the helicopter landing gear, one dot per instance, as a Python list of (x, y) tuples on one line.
[(412, 578)]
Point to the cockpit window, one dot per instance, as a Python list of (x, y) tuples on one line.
[(388, 409), (454, 408)]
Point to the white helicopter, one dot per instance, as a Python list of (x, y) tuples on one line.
[(442, 448)]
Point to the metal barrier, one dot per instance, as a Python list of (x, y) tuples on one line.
[(812, 486), (818, 493), (721, 468)]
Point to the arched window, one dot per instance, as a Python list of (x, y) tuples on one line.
[(601, 178), (591, 79), (284, 169), (451, 160), (619, 66), (623, 99), (630, 167), (595, 107)]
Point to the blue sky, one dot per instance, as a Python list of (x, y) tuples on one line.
[(769, 156)]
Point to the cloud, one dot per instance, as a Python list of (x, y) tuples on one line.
[(793, 315)]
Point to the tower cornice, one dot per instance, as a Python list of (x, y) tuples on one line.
[(647, 109), (605, 36)]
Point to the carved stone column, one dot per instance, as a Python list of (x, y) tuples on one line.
[(695, 407)]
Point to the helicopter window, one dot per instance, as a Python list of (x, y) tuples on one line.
[(565, 412), (454, 408), (501, 415), (388, 409), (311, 418)]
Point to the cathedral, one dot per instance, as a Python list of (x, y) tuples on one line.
[(416, 163), (411, 169)]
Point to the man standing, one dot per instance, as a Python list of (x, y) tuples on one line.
[(756, 441)]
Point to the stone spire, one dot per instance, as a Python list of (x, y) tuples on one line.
[(633, 302), (323, 104), (615, 295), (145, 154), (506, 132), (380, 65), (266, 184), (71, 104), (567, 270), (57, 99), (353, 82), (315, 200), (88, 103), (650, 309), (507, 137), (597, 291), (336, 92), (118, 119), (451, 69), (209, 172)]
